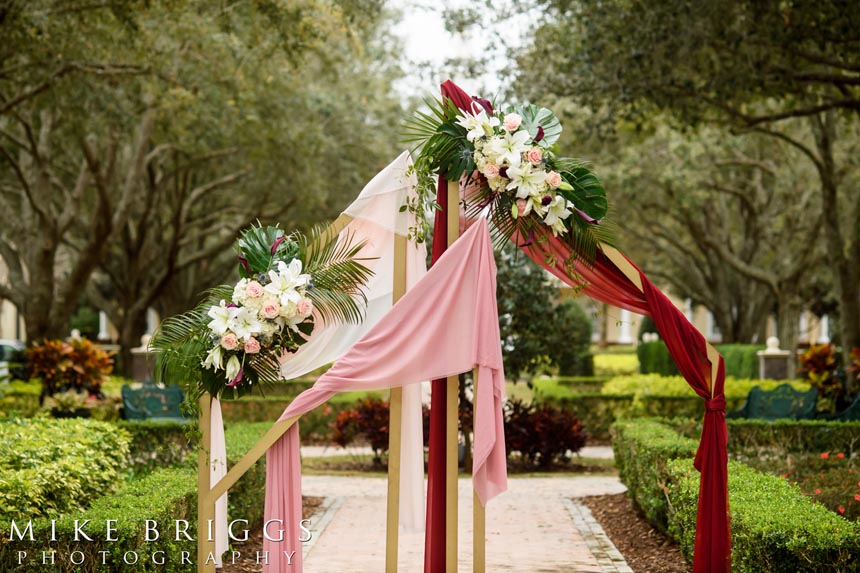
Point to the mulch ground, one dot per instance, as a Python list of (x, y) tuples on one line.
[(247, 562), (645, 549)]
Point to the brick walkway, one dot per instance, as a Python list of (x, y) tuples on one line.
[(532, 527)]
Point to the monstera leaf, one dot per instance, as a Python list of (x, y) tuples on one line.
[(534, 117), (588, 192)]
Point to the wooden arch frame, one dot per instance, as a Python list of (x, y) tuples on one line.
[(208, 493)]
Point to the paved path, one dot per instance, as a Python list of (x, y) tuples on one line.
[(534, 527)]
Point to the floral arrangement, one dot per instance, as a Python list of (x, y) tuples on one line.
[(236, 337), (512, 158)]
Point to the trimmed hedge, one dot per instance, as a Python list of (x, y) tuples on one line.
[(51, 466), (156, 444), (775, 527), (165, 495), (753, 440), (741, 359), (641, 385), (599, 411)]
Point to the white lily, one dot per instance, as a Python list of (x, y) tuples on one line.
[(526, 180), (233, 367), (557, 211), (220, 318), (477, 124), (214, 359), (286, 282), (244, 323), (509, 147)]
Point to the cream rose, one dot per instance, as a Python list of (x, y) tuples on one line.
[(305, 307), (491, 170), (229, 341), (553, 179), (253, 289), (513, 121), (252, 346), (271, 309)]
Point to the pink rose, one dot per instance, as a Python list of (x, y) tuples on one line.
[(553, 179), (521, 207), (491, 170), (229, 341), (513, 121), (252, 346), (305, 307), (254, 289), (534, 155), (271, 309)]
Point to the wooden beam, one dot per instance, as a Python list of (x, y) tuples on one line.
[(452, 413), (395, 423), (621, 262), (479, 514), (205, 504)]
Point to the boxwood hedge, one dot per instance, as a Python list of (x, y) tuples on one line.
[(775, 527)]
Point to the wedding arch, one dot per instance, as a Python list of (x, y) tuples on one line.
[(413, 341)]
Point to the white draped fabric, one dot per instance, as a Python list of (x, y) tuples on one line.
[(376, 219)]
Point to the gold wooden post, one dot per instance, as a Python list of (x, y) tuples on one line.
[(452, 411), (479, 514), (631, 273), (205, 502), (395, 410)]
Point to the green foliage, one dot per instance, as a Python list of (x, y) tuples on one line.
[(741, 359), (538, 333), (641, 385), (654, 358), (615, 364), (163, 496), (156, 444), (774, 526), (50, 467)]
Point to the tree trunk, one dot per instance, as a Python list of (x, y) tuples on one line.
[(787, 326)]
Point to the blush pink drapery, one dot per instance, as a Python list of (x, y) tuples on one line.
[(434, 331)]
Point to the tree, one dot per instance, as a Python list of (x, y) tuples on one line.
[(771, 68), (537, 332), (732, 221), (188, 121)]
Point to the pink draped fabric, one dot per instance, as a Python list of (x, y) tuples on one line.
[(606, 283), (432, 332)]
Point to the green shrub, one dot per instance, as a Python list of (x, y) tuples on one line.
[(642, 385), (741, 359), (53, 466), (654, 358), (165, 495), (615, 364), (642, 448), (775, 527), (156, 444)]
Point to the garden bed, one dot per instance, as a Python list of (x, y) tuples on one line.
[(645, 549)]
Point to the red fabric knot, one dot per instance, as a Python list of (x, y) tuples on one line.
[(717, 404)]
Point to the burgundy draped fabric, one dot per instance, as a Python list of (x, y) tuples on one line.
[(434, 540), (606, 283)]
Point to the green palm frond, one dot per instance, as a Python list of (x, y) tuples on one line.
[(180, 340), (338, 275)]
